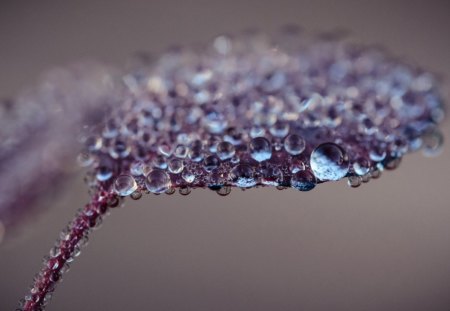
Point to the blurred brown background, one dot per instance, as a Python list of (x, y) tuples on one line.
[(384, 246)]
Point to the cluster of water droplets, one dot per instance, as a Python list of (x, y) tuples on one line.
[(252, 110)]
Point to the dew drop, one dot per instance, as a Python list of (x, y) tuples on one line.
[(196, 151), (188, 176), (211, 162), (184, 190), (85, 159), (243, 175), (181, 151), (104, 173), (124, 185), (271, 176), (433, 142), (93, 143), (160, 162), (303, 180), (224, 191), (170, 191), (260, 149), (377, 153), (354, 181), (158, 181), (329, 162), (137, 168), (176, 166), (279, 129), (294, 144), (119, 149), (296, 165), (225, 150), (361, 166), (136, 195)]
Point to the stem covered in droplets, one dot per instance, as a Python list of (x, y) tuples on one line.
[(72, 238)]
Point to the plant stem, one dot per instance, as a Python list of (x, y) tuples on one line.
[(67, 247)]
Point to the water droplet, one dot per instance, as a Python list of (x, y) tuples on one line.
[(235, 159), (303, 180), (125, 185), (165, 149), (215, 122), (170, 191), (196, 151), (104, 173), (257, 131), (119, 149), (136, 195), (433, 142), (158, 181), (392, 163), (365, 178), (85, 159), (243, 175), (294, 144), (280, 129), (93, 143), (160, 162), (184, 190), (271, 176), (354, 181), (361, 166), (375, 173), (211, 162), (188, 176), (224, 191), (329, 162), (222, 44), (176, 166), (137, 168), (377, 153), (225, 150), (260, 149), (181, 151), (296, 165)]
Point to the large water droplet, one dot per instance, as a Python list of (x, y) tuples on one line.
[(329, 162), (125, 185), (260, 149), (303, 181), (243, 175), (158, 181), (294, 144)]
